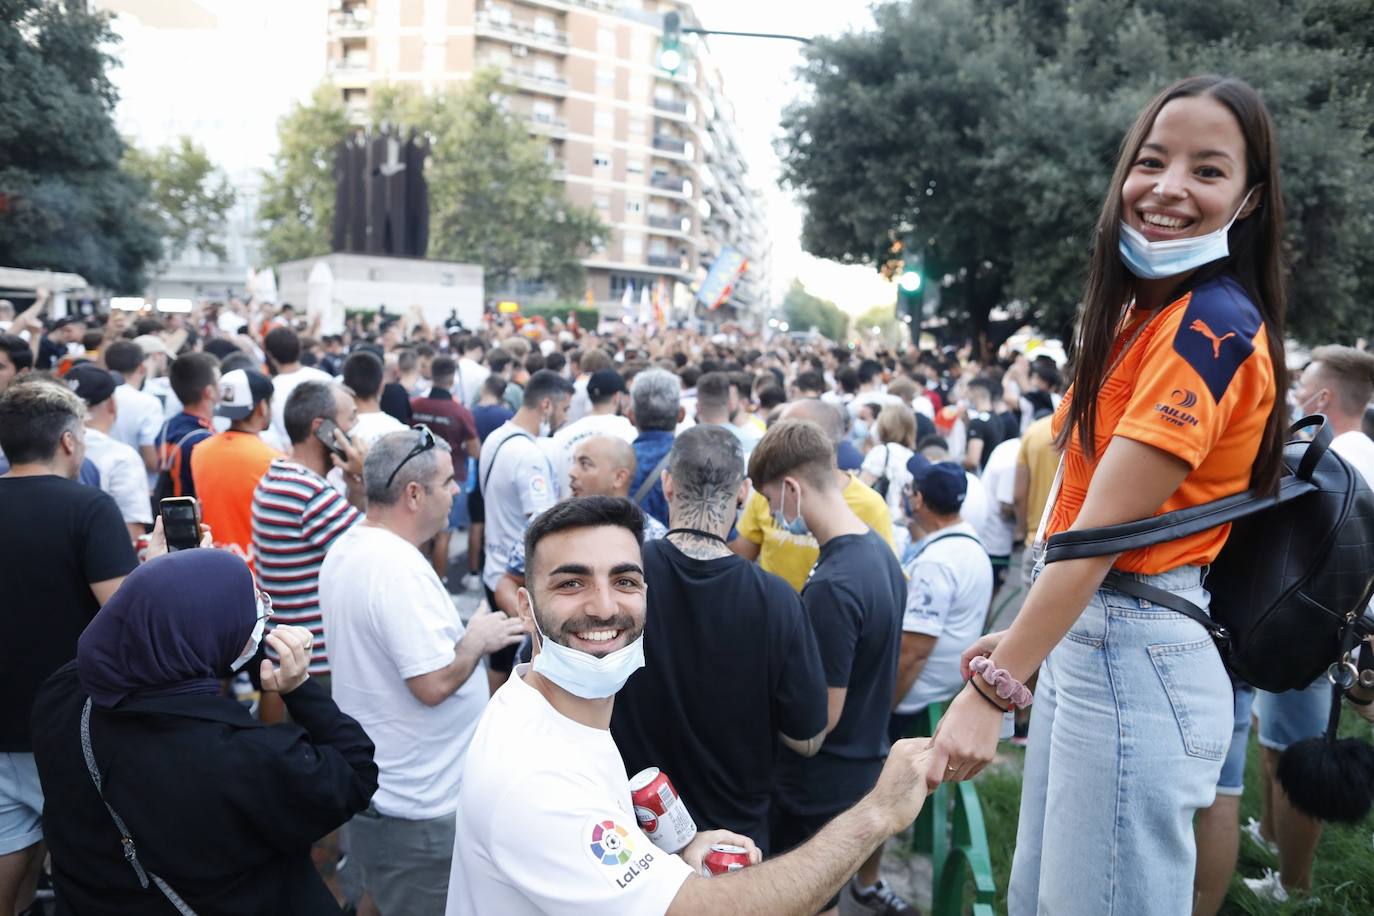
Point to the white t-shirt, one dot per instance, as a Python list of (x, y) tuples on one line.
[(545, 824), (890, 458), (567, 439), (1358, 449), (521, 483), (975, 500), (999, 482), (122, 475), (373, 426), (468, 379), (388, 618), (282, 386), (949, 587), (138, 417)]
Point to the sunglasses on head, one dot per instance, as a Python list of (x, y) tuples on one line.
[(425, 444)]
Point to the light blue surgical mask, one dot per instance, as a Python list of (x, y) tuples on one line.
[(582, 674), (255, 638), (860, 431), (1156, 260), (796, 525)]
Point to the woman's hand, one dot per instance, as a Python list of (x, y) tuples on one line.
[(701, 844), (983, 646), (965, 740), (157, 540), (292, 645)]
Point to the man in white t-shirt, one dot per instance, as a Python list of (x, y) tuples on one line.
[(470, 373), (363, 374), (121, 469), (997, 527), (284, 348), (545, 823), (609, 397), (404, 666), (518, 480), (140, 415)]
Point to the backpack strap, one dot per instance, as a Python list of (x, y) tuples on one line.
[(125, 839), (947, 537), (486, 478), (652, 479), (1124, 583)]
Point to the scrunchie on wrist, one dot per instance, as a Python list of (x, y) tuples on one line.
[(1001, 681)]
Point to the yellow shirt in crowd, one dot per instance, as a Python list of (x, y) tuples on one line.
[(792, 556)]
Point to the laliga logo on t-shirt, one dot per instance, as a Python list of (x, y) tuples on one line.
[(611, 843)]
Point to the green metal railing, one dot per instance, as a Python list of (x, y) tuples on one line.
[(950, 830)]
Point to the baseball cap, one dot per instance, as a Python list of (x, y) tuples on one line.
[(605, 382), (91, 383), (241, 390), (150, 344), (943, 485)]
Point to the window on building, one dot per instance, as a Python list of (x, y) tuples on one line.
[(635, 166), (605, 77), (545, 112), (545, 25), (634, 205), (632, 246), (498, 13), (605, 42), (621, 282), (639, 87), (604, 119), (635, 125), (545, 68), (603, 201), (601, 160)]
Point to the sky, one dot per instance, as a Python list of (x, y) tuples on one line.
[(227, 87)]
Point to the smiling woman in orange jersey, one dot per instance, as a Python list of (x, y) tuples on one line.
[(1180, 352)]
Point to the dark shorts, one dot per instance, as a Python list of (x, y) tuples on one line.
[(477, 507), (501, 659), (787, 831)]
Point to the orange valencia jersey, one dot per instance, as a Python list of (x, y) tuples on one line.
[(1197, 383)]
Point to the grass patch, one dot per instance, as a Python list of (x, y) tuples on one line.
[(1343, 875)]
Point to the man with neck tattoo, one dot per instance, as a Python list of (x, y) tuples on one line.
[(731, 662)]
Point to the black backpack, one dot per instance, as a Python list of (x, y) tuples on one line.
[(1290, 587)]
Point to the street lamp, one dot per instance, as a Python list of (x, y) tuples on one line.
[(783, 327)]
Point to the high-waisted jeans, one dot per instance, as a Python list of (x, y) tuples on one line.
[(1132, 718)]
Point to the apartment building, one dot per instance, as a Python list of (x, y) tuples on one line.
[(656, 154)]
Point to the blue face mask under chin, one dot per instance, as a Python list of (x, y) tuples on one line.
[(582, 674), (797, 525), (1157, 260)]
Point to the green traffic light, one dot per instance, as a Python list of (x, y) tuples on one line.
[(670, 47), (670, 59), (910, 281)]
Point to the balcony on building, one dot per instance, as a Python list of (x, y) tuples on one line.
[(670, 223), (550, 39), (348, 22), (670, 261), (671, 106), (533, 81), (546, 125), (672, 184)]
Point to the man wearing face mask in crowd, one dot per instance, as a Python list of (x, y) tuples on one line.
[(542, 762), (518, 480)]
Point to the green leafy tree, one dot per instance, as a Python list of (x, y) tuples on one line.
[(188, 196), (804, 311), (882, 317), (297, 204), (492, 197), (995, 152), (65, 203)]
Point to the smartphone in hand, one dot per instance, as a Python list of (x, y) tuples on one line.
[(326, 432), (181, 522)]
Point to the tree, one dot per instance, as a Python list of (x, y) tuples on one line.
[(297, 204), (65, 204), (493, 200), (187, 195), (805, 312), (996, 153)]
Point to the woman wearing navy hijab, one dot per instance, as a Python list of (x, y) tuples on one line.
[(219, 809)]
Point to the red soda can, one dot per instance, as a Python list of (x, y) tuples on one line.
[(141, 547), (660, 811), (723, 857)]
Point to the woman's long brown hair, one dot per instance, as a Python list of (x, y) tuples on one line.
[(1256, 261)]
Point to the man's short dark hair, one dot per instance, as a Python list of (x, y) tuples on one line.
[(124, 357), (1047, 374), (18, 350), (582, 512), (283, 345), (869, 369), (442, 370), (713, 391), (495, 385), (690, 375), (406, 360), (848, 379), (498, 360), (555, 361), (988, 384), (470, 342), (363, 372), (546, 384), (309, 402), (34, 413), (534, 362), (771, 396), (190, 375), (238, 360), (812, 383), (793, 447)]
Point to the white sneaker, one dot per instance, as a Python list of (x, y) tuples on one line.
[(1268, 887), (472, 582), (1252, 830)]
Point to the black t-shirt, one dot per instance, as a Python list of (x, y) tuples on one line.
[(1009, 425), (987, 428), (855, 599), (925, 426), (56, 537), (730, 662)]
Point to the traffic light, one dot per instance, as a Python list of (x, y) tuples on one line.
[(670, 47), (911, 285)]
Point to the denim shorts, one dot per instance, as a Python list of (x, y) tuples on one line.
[(1288, 717), (1232, 781), (1132, 719), (21, 803)]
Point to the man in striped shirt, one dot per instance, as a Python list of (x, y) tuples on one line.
[(298, 515)]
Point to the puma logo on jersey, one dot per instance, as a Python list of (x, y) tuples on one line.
[(1201, 327)]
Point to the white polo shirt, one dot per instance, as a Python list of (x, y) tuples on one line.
[(388, 618), (545, 824), (122, 475), (949, 586), (518, 481)]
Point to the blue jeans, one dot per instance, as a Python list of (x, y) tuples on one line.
[(1132, 718), (1289, 717)]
